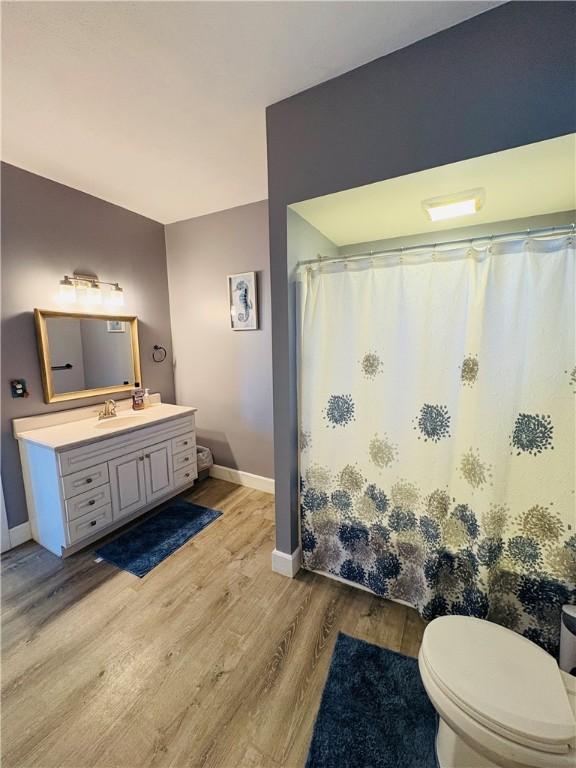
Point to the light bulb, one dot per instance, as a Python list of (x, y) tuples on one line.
[(93, 294), (67, 293), (116, 296)]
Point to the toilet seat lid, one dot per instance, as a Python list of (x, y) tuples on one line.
[(500, 678)]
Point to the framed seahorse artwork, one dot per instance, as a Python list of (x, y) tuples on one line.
[(243, 301)]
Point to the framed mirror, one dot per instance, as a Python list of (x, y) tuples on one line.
[(86, 355)]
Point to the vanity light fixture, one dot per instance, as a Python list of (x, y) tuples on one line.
[(451, 206), (87, 289)]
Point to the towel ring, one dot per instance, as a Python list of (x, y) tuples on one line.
[(158, 353)]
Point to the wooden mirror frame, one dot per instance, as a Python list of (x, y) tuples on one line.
[(40, 316)]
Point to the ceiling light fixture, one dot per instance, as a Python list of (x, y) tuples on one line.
[(451, 206)]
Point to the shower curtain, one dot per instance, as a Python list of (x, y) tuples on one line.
[(437, 440)]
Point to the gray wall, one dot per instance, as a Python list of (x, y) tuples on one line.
[(546, 220), (304, 242), (226, 374), (48, 230), (502, 79)]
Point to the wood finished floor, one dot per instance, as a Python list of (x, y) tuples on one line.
[(211, 660)]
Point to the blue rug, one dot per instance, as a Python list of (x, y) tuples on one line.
[(374, 712), (141, 548)]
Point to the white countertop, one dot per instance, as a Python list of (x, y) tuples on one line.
[(89, 430)]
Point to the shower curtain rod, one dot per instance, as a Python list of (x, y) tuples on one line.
[(559, 230)]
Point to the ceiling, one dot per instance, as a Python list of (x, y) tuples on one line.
[(159, 106), (528, 181)]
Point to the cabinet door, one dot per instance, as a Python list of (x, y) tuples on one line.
[(127, 484), (159, 472)]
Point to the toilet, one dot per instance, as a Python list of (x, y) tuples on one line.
[(502, 701)]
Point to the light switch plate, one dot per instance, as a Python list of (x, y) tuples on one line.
[(18, 388)]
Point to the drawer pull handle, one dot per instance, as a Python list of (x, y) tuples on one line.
[(185, 442), (89, 479), (147, 455), (140, 458), (92, 522), (186, 458), (92, 502), (187, 474)]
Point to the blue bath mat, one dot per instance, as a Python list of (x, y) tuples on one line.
[(141, 548), (374, 712)]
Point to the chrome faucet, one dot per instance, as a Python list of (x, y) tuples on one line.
[(109, 410)]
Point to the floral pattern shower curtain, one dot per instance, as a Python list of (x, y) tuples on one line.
[(437, 445)]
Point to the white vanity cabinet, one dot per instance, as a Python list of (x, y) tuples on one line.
[(85, 477)]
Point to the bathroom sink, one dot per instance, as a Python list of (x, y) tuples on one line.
[(116, 421)]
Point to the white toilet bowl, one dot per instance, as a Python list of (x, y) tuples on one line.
[(502, 701)]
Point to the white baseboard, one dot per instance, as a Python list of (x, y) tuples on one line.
[(257, 482), (19, 534), (286, 565)]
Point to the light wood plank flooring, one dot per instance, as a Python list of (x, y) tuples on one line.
[(211, 660)]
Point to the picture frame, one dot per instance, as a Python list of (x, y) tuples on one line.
[(243, 300), (115, 326)]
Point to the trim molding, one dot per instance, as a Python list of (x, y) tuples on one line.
[(258, 482), (286, 565), (19, 534)]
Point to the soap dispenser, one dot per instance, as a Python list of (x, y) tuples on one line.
[(137, 397)]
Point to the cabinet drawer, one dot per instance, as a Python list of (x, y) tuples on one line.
[(184, 443), (87, 502), (84, 480), (86, 525), (185, 476), (182, 460)]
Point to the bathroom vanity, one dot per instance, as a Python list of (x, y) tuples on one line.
[(84, 477)]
